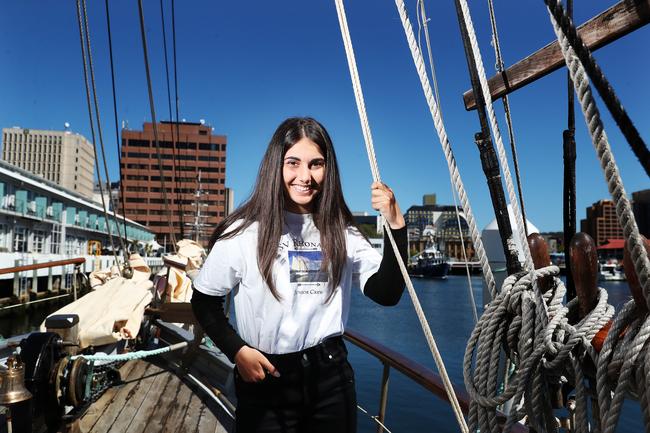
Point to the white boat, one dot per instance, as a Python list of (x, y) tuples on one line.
[(610, 271)]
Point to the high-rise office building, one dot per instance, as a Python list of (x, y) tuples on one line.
[(194, 173), (601, 223), (62, 157)]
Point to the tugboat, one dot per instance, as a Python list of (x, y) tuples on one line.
[(430, 263)]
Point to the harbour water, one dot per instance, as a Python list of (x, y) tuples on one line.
[(410, 408)]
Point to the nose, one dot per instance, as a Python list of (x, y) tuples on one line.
[(304, 174)]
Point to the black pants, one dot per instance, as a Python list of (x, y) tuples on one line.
[(314, 393)]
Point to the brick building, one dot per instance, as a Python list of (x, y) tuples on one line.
[(195, 154), (601, 223)]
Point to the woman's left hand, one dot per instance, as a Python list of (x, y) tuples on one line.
[(383, 200)]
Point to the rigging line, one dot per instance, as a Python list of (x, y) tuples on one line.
[(454, 173), (100, 134), (358, 93), (506, 108), (176, 123), (172, 234), (92, 129), (169, 104), (600, 141), (569, 182), (601, 84), (519, 222), (488, 156), (117, 133), (422, 15)]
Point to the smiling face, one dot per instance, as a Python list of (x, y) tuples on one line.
[(303, 171)]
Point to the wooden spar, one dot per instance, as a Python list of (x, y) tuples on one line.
[(612, 24)]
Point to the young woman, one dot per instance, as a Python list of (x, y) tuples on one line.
[(292, 253)]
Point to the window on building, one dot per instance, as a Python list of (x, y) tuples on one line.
[(55, 239), (20, 239), (4, 237), (38, 241)]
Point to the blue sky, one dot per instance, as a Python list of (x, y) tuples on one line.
[(245, 66)]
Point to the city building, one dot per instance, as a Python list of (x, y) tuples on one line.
[(40, 219), (193, 159), (111, 195), (601, 223), (431, 223), (641, 209), (62, 157)]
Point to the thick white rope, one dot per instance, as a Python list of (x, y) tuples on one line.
[(423, 22), (356, 84), (604, 152), (454, 174), (503, 159)]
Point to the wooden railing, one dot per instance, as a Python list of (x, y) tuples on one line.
[(44, 265), (418, 373)]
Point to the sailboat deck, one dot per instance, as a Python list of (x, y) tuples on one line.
[(151, 400)]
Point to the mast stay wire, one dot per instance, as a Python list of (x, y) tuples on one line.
[(365, 126), (172, 234), (92, 129), (500, 67), (423, 23), (117, 132), (169, 104), (100, 134)]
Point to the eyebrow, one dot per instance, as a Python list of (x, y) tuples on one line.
[(295, 158)]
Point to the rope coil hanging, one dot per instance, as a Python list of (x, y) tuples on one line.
[(375, 174)]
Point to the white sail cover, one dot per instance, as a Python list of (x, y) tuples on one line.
[(113, 310)]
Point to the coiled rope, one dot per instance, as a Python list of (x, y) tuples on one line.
[(542, 354), (365, 126), (629, 352), (600, 141), (454, 174)]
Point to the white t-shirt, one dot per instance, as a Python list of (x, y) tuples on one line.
[(302, 318)]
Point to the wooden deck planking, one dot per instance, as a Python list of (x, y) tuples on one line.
[(99, 408), (120, 408), (160, 403)]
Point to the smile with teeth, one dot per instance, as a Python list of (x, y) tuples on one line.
[(302, 189)]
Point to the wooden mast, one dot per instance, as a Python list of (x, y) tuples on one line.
[(614, 23)]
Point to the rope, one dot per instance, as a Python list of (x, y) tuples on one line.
[(375, 418), (503, 160), (543, 354), (356, 84), (99, 128), (172, 233), (131, 355), (117, 131), (454, 174), (423, 23), (500, 67), (601, 144), (92, 127), (601, 83), (169, 105)]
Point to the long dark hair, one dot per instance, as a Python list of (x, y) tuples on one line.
[(266, 204)]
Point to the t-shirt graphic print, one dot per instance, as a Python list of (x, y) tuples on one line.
[(305, 267)]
